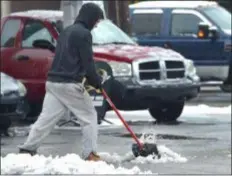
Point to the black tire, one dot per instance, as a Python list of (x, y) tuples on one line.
[(168, 111)]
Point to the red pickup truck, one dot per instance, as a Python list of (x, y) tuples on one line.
[(152, 78)]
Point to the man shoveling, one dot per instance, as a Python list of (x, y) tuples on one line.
[(65, 90)]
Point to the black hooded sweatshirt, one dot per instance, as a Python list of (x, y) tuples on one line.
[(73, 55)]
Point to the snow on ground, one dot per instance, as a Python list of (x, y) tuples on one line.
[(68, 164), (204, 109), (199, 109), (167, 155), (73, 164), (189, 113)]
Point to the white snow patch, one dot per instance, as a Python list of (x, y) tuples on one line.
[(229, 155), (167, 155), (149, 136), (198, 112), (68, 164), (204, 109)]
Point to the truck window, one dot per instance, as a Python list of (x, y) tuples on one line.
[(146, 24), (9, 32), (35, 30), (184, 25)]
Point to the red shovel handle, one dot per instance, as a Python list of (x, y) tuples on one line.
[(121, 118)]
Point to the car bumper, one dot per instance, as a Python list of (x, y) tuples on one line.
[(128, 95), (14, 107)]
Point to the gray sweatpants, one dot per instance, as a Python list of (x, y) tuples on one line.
[(58, 100)]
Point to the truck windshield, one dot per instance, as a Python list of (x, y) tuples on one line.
[(105, 33), (219, 16)]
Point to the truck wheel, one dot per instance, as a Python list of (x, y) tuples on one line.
[(167, 112)]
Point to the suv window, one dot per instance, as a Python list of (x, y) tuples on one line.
[(9, 32), (146, 24), (185, 25), (35, 30)]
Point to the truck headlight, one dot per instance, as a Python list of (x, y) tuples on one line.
[(120, 69), (22, 89), (191, 71)]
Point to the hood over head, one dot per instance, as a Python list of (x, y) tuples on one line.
[(89, 14)]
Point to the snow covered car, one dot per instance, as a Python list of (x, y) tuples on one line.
[(152, 78), (13, 105)]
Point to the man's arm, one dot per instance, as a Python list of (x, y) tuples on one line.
[(86, 54)]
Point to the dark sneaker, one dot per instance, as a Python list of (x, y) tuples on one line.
[(24, 151)]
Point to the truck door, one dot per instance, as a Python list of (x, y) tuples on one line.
[(183, 38), (32, 64)]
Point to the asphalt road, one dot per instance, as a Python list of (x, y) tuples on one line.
[(203, 140)]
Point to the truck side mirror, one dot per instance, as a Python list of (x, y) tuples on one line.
[(44, 44), (213, 33), (203, 31), (207, 32)]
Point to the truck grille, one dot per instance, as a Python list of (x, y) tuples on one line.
[(175, 69), (149, 70), (159, 70)]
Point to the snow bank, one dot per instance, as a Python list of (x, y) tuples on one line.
[(69, 164), (167, 155)]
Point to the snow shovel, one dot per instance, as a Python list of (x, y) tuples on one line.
[(138, 149)]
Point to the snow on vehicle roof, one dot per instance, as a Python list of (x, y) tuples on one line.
[(52, 15), (172, 4)]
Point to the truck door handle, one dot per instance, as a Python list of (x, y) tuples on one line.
[(22, 57)]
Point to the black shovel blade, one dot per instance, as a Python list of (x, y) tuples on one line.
[(148, 149)]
